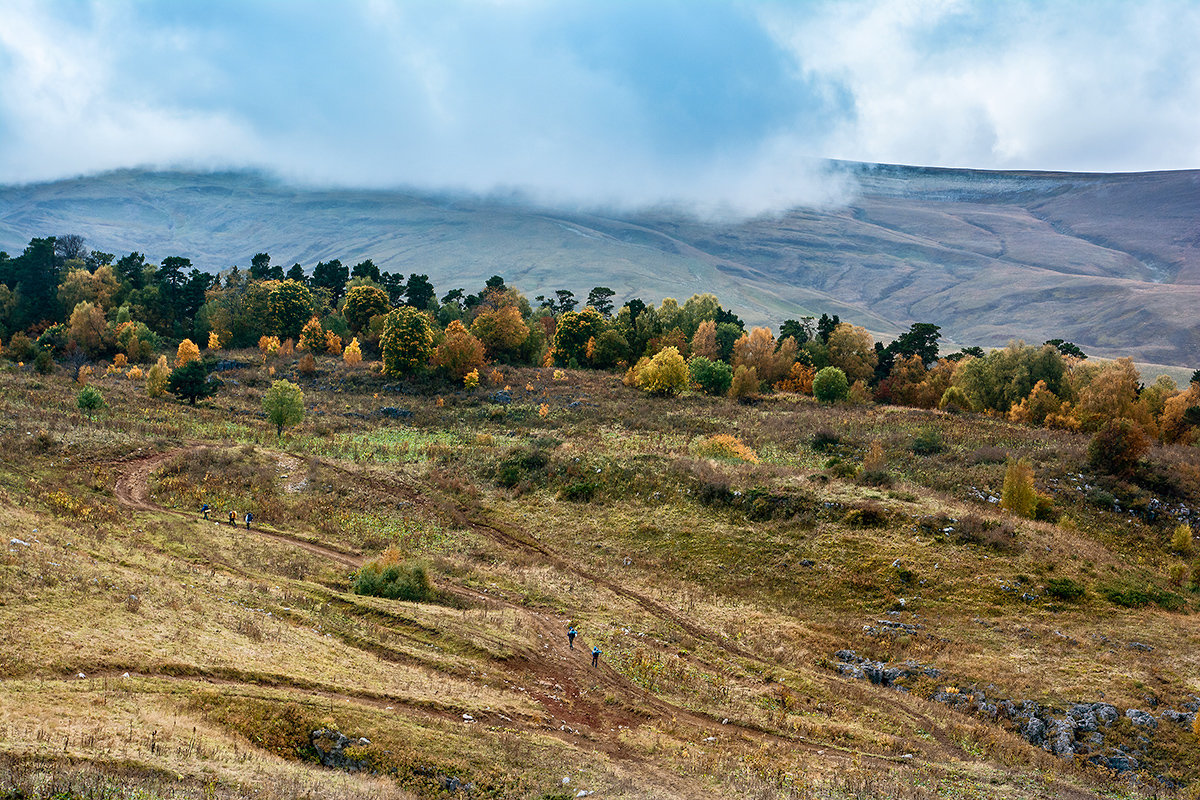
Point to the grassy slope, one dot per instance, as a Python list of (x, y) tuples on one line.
[(716, 630)]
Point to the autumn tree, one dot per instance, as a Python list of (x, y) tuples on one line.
[(852, 350), (1018, 495), (362, 303), (312, 336), (352, 355), (186, 352), (666, 374), (459, 352), (758, 349), (1117, 447), (407, 341), (572, 333), (284, 405), (501, 330), (704, 342), (89, 329)]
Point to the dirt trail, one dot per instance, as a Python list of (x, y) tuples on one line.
[(132, 489), (561, 680)]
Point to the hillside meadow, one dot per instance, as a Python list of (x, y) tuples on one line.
[(722, 556)]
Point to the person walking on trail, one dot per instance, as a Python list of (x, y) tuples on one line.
[(233, 518), (571, 634), (204, 508), (249, 519), (595, 656)]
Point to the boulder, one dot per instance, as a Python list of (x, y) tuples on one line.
[(1141, 718)]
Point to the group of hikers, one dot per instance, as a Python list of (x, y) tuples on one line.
[(571, 634), (205, 509)]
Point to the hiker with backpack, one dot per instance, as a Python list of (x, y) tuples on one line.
[(595, 656), (249, 518), (204, 510), (571, 634)]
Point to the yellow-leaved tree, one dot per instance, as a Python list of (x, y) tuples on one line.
[(1018, 495), (312, 336), (352, 355), (188, 351)]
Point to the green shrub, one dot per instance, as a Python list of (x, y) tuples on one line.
[(713, 377), (388, 577), (1065, 589), (1181, 540), (44, 363), (580, 491), (830, 385), (928, 442), (90, 399), (825, 439), (954, 399)]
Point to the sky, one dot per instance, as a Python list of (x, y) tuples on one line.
[(726, 105)]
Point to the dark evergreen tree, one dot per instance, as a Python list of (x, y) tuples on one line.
[(825, 326), (600, 298), (366, 269), (192, 382), (418, 292), (331, 276), (296, 273)]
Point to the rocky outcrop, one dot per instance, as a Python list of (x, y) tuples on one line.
[(331, 750), (1079, 732)]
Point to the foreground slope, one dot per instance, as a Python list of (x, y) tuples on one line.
[(143, 645), (1111, 262)]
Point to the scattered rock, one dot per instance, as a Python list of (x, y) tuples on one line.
[(395, 413), (1145, 648), (331, 750), (1141, 718)]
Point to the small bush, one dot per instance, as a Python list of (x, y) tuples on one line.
[(387, 576), (928, 442), (44, 363), (1065, 589), (989, 454), (90, 399), (824, 440), (307, 366), (954, 400), (744, 387), (579, 492), (1181, 540), (724, 446), (868, 516)]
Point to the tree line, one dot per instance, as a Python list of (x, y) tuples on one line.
[(60, 300)]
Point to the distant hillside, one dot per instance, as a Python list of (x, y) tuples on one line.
[(1111, 262)]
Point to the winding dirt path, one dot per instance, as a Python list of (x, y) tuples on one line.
[(561, 680)]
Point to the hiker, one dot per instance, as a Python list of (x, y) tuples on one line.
[(595, 656), (571, 633), (233, 518), (249, 517), (204, 509)]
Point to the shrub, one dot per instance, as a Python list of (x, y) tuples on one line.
[(388, 576), (798, 381), (312, 336), (44, 362), (157, 377), (268, 346), (333, 343), (874, 467), (724, 446), (579, 491), (1181, 540), (20, 347), (214, 340), (307, 365), (928, 442), (867, 516), (825, 439), (459, 353), (666, 374), (192, 382), (1018, 495), (1065, 589), (713, 377), (352, 355), (1117, 447), (471, 380), (830, 385), (90, 399)]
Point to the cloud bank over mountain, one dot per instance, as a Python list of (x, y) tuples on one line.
[(727, 107)]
